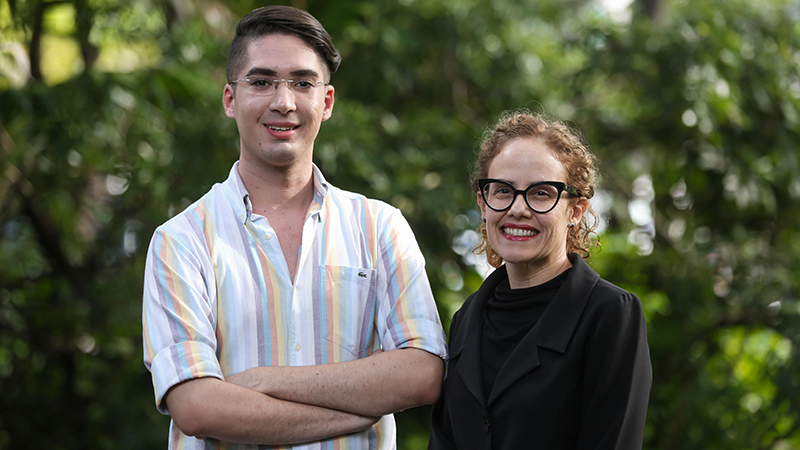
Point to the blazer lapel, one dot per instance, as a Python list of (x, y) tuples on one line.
[(553, 330), (466, 342)]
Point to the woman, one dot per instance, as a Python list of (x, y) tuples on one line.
[(546, 354)]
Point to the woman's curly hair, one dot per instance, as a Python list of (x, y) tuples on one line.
[(568, 148)]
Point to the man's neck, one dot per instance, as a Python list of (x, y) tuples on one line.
[(277, 188), (282, 195)]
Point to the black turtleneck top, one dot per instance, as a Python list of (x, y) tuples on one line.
[(510, 314)]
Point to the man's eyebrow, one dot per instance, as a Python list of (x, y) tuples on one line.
[(304, 73), (261, 71)]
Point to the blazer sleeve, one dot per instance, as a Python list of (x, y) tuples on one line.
[(617, 378), (441, 437), (441, 428)]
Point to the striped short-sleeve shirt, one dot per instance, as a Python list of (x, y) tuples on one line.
[(218, 297)]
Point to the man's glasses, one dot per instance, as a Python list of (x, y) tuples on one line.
[(268, 86), (541, 197)]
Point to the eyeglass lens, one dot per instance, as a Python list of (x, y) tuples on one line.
[(268, 86), (541, 198)]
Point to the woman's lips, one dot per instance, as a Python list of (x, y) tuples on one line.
[(518, 232)]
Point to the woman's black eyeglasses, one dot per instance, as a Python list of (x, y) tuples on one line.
[(541, 197)]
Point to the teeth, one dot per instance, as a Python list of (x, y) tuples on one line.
[(281, 128), (520, 232)]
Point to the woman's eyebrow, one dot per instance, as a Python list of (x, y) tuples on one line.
[(514, 185)]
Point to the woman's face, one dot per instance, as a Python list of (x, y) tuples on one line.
[(529, 242)]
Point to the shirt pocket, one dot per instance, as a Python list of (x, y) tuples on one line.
[(347, 312)]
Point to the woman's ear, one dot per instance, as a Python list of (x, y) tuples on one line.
[(578, 210)]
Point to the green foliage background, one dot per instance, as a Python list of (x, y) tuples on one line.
[(111, 121)]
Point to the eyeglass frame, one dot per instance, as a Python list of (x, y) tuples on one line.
[(560, 187), (277, 83)]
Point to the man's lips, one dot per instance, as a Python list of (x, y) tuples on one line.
[(282, 128), (281, 131)]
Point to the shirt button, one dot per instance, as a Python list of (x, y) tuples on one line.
[(486, 425), (297, 347), (268, 236)]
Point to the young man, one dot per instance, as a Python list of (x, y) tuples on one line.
[(279, 309)]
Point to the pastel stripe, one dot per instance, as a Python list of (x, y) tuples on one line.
[(218, 298)]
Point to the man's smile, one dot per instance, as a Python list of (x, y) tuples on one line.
[(283, 128)]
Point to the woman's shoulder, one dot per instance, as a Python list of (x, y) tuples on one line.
[(487, 287), (474, 302), (607, 295), (465, 307), (601, 290)]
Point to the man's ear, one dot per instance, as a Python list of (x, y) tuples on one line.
[(229, 101), (329, 100)]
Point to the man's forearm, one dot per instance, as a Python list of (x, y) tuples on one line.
[(379, 384), (211, 408)]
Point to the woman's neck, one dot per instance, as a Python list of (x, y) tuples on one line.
[(523, 275)]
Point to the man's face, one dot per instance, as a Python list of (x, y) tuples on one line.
[(279, 129)]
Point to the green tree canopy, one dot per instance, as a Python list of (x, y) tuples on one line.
[(111, 122)]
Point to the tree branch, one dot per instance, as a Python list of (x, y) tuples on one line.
[(35, 47), (83, 22)]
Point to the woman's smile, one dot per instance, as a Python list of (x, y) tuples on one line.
[(513, 232)]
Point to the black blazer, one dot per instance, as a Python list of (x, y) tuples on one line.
[(579, 380)]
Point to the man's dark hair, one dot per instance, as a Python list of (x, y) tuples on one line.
[(281, 20)]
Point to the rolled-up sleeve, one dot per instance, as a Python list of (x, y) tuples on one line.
[(407, 314), (177, 314)]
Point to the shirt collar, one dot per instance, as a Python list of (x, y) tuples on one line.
[(321, 188), (241, 198)]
